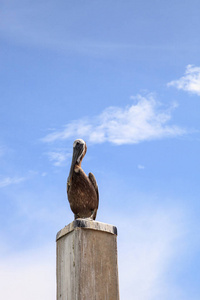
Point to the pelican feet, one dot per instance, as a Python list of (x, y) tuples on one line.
[(91, 218)]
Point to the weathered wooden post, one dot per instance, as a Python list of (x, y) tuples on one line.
[(87, 266)]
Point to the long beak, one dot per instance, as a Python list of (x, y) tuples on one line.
[(76, 153)]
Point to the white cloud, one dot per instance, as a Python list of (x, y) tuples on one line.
[(10, 180), (29, 275), (58, 157), (190, 82), (141, 167), (142, 121)]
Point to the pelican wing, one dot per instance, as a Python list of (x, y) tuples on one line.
[(94, 183), (68, 186)]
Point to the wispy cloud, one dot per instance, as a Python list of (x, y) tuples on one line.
[(190, 82), (58, 157), (10, 180), (18, 23), (141, 167), (144, 120), (30, 23)]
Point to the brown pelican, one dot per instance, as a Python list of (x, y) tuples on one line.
[(82, 190)]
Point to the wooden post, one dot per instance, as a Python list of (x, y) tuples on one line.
[(87, 266)]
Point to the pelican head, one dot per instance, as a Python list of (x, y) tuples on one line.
[(79, 150)]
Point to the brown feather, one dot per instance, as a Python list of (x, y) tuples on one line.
[(82, 194)]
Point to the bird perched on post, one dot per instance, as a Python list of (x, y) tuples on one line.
[(82, 190)]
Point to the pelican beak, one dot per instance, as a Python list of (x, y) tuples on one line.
[(77, 154)]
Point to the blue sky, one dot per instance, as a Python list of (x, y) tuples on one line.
[(125, 77)]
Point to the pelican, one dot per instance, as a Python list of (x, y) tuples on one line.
[(82, 190)]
